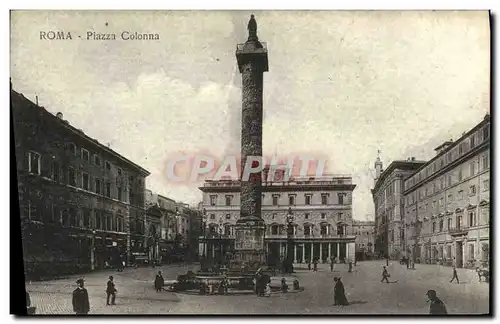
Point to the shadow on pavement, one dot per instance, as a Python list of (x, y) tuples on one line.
[(358, 302)]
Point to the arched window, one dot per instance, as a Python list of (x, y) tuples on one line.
[(433, 227), (274, 229), (441, 225)]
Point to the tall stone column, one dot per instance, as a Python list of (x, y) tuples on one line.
[(250, 228)]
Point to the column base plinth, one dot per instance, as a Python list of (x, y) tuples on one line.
[(249, 243)]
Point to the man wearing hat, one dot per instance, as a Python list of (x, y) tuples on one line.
[(110, 291), (81, 305), (437, 306)]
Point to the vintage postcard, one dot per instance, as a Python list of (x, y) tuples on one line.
[(265, 162)]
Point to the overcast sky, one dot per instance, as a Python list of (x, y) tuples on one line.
[(340, 84)]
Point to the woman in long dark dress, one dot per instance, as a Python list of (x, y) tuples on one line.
[(339, 297)]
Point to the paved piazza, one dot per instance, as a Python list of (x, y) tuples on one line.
[(364, 291)]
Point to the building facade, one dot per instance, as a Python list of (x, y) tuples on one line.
[(322, 217), (81, 203), (389, 206), (365, 238), (447, 213)]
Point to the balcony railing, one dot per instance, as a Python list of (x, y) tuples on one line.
[(337, 179), (458, 231)]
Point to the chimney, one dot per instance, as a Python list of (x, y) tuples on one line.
[(413, 158), (60, 115)]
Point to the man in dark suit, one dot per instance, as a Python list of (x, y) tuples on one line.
[(437, 306), (159, 282), (111, 291), (81, 305)]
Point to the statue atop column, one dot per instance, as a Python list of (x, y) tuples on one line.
[(252, 29)]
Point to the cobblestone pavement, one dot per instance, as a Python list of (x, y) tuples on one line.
[(364, 290)]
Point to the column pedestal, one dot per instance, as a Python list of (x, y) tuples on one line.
[(249, 243)]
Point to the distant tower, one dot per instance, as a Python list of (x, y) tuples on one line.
[(378, 167)]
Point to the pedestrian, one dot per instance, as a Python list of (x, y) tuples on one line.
[(339, 298), (455, 275), (332, 264), (159, 282), (81, 305), (315, 264), (258, 282), (110, 291), (385, 275), (437, 306), (309, 265)]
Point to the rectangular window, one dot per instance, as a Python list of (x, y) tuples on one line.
[(434, 227), (119, 171), (324, 199), (34, 162), (472, 141), (212, 216), (441, 202), (108, 189), (472, 168), (86, 218), (119, 194), (291, 200), (213, 200), (472, 219), (323, 215), (460, 174), (449, 180), (486, 161), (460, 148), (460, 195), (449, 223), (485, 215), (472, 190), (98, 186), (85, 181), (72, 149), (341, 198), (107, 165), (308, 199), (486, 132), (228, 200), (450, 199), (340, 216), (97, 159), (306, 216), (54, 170), (275, 200), (307, 230), (71, 176), (486, 185), (85, 155)]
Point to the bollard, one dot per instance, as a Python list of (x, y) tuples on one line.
[(350, 266)]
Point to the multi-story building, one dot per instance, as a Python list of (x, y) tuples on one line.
[(389, 209), (365, 237), (81, 203), (322, 210), (447, 202)]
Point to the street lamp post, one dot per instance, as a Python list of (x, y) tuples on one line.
[(204, 221), (92, 251), (289, 249), (220, 239)]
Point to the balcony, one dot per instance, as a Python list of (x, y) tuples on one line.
[(458, 231)]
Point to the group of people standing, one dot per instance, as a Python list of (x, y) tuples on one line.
[(81, 303)]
